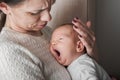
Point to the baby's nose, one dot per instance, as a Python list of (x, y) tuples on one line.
[(54, 42)]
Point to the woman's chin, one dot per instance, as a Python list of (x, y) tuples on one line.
[(41, 26), (38, 28)]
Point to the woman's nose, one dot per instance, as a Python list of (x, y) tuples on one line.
[(46, 16)]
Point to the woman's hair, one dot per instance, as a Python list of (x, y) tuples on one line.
[(2, 15)]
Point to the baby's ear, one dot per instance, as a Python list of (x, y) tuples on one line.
[(80, 46)]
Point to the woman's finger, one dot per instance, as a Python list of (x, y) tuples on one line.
[(88, 24), (85, 33), (82, 31), (89, 44)]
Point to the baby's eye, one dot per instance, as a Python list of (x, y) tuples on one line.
[(60, 38)]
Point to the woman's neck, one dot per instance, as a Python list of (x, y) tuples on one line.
[(10, 25), (17, 29)]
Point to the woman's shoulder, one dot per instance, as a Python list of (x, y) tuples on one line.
[(17, 61), (7, 44), (4, 44), (9, 49)]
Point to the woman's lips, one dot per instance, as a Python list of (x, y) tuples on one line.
[(41, 25)]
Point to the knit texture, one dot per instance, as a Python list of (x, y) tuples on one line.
[(86, 68), (27, 57)]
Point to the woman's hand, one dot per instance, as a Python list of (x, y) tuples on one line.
[(86, 35)]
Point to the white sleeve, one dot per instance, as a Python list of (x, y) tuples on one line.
[(15, 64), (87, 74), (84, 73), (83, 70)]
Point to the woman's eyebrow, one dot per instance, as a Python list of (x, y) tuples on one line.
[(42, 9)]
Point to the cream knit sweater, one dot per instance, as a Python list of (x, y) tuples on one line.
[(27, 57)]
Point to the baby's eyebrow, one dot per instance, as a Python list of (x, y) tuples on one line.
[(67, 35)]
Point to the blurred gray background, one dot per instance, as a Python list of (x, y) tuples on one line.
[(107, 27), (105, 16)]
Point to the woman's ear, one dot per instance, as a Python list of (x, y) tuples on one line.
[(4, 8), (80, 46)]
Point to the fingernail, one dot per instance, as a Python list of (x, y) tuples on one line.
[(76, 18), (75, 26), (79, 36), (74, 21)]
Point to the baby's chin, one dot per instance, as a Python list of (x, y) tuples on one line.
[(64, 62)]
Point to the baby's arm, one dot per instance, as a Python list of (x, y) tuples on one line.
[(85, 68), (82, 72)]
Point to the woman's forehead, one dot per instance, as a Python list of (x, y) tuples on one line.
[(32, 5), (37, 2), (41, 1)]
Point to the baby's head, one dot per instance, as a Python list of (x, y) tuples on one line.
[(65, 45)]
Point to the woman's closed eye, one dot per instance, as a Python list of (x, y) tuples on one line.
[(39, 11), (36, 13)]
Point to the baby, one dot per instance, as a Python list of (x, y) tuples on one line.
[(69, 51)]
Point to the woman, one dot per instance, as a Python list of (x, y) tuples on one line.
[(24, 53)]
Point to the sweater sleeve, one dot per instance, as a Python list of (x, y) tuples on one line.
[(17, 63)]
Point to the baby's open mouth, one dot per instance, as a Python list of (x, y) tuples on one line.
[(57, 52)]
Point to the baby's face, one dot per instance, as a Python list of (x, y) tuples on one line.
[(63, 44)]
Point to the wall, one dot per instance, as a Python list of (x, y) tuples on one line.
[(63, 11), (108, 34)]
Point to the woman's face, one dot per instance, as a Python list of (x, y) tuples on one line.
[(31, 15)]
